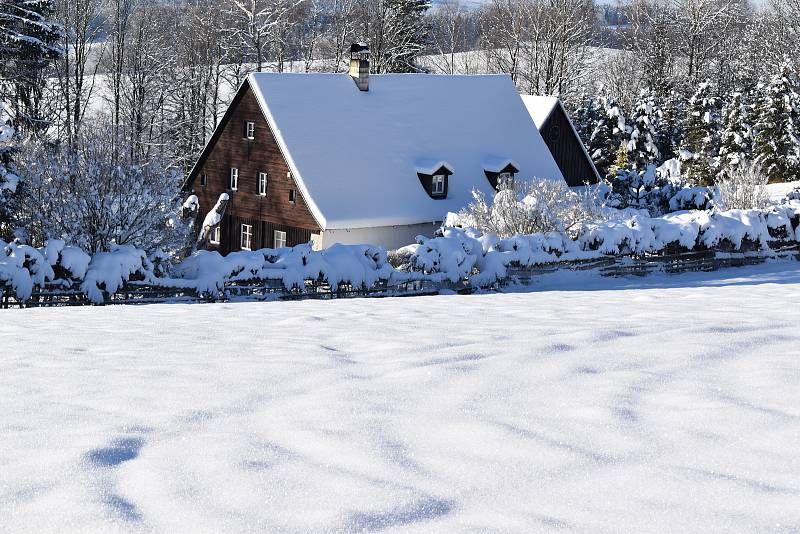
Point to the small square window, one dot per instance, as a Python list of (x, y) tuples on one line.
[(292, 195), (262, 184), (216, 236), (437, 184), (246, 240), (234, 178), (203, 180), (505, 178), (250, 130), (279, 239)]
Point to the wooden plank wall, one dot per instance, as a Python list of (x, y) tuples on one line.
[(567, 150), (266, 213)]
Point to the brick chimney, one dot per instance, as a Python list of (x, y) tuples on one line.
[(359, 65)]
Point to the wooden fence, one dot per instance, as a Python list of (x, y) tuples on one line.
[(64, 293)]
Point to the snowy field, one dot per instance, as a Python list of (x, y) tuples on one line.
[(674, 407)]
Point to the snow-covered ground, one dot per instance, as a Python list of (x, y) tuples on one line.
[(673, 407)]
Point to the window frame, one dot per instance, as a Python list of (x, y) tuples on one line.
[(246, 233), (292, 195), (234, 179), (501, 176), (203, 180), (262, 180), (439, 179), (275, 234), (250, 130), (215, 237)]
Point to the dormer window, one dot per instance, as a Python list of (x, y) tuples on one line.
[(250, 130), (434, 178), (500, 171), (437, 184), (234, 179)]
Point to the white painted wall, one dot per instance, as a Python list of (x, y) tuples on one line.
[(389, 237)]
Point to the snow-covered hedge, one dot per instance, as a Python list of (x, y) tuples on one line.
[(455, 255)]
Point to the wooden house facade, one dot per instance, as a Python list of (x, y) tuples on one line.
[(561, 138), (358, 159)]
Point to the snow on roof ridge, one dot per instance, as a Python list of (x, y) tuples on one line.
[(540, 107), (497, 164), (431, 166)]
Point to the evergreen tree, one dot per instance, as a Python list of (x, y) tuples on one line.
[(735, 139), (642, 147), (586, 117), (775, 143), (399, 35), (8, 180), (670, 129), (607, 136), (701, 145), (28, 43)]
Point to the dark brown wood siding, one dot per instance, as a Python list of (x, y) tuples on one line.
[(229, 148), (567, 149)]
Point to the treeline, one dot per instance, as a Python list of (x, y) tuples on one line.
[(141, 84)]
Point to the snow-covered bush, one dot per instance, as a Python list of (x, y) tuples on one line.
[(743, 187), (526, 207), (657, 190), (96, 196)]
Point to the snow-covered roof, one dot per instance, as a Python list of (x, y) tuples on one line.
[(355, 154), (495, 164), (540, 107)]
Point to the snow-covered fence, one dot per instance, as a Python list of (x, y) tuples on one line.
[(456, 260)]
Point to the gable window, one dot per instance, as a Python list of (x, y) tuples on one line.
[(246, 239), (234, 178), (262, 184), (216, 236), (279, 239), (437, 184), (249, 130), (203, 180), (292, 195)]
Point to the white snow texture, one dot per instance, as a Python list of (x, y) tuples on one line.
[(599, 410)]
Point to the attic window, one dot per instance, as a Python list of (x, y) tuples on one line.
[(437, 184), (500, 172), (250, 130), (505, 178), (292, 195), (262, 184), (434, 178), (234, 178)]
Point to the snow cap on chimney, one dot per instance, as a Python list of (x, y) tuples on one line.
[(359, 65)]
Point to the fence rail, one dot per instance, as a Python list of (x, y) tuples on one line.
[(64, 293)]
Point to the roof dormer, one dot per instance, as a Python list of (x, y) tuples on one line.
[(498, 170), (434, 177)]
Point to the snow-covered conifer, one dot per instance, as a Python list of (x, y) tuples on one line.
[(28, 44), (608, 134), (776, 146), (670, 128), (642, 140), (701, 145), (8, 179), (735, 140)]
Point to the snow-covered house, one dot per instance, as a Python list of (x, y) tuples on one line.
[(562, 139), (318, 157)]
